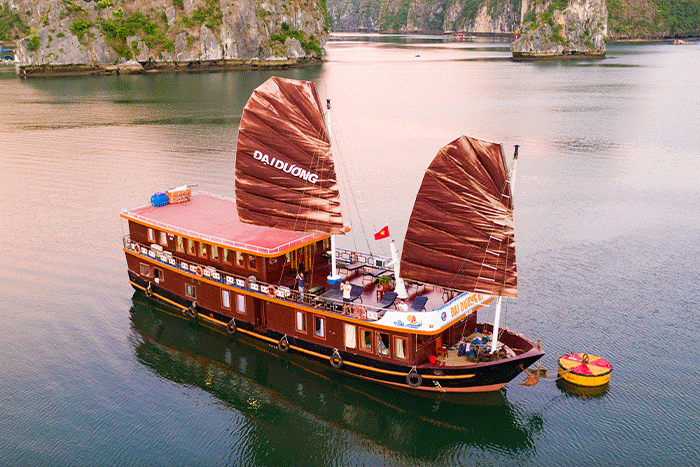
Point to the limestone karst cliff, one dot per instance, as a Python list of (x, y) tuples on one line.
[(629, 19), (480, 16), (562, 28), (93, 33)]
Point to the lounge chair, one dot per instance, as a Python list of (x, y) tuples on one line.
[(419, 303), (388, 299)]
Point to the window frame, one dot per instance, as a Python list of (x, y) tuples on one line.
[(146, 270), (225, 293), (378, 337), (252, 262), (214, 252), (350, 329), (163, 240), (179, 244), (322, 320), (151, 235), (362, 341), (191, 247), (240, 303), (405, 347), (191, 291), (302, 315)]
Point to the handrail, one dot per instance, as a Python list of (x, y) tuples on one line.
[(245, 283)]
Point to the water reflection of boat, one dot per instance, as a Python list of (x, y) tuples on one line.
[(253, 379)]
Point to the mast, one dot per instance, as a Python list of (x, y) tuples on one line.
[(334, 277), (497, 314), (400, 287)]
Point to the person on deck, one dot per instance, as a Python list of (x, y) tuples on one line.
[(402, 306), (346, 288), (300, 279)]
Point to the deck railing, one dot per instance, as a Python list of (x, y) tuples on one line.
[(251, 283)]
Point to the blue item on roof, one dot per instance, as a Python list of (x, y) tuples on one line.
[(159, 199)]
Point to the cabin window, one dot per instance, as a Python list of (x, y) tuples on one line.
[(146, 270), (179, 243), (287, 258), (227, 255), (400, 347), (273, 263), (301, 321), (226, 299), (240, 303), (420, 338), (319, 326), (202, 250), (240, 262), (191, 247), (366, 339), (164, 239), (326, 243), (383, 343), (158, 273), (252, 262), (214, 252), (350, 336), (151, 235), (190, 291)]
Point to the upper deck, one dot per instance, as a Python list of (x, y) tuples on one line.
[(214, 219)]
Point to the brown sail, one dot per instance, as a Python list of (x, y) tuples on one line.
[(285, 176), (460, 234)]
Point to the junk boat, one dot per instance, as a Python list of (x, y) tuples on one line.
[(266, 264)]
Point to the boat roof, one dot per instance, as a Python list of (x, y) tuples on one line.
[(214, 219)]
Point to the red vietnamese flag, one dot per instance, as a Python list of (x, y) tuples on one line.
[(384, 233)]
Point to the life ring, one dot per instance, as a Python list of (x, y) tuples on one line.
[(414, 379), (585, 359), (336, 360), (271, 291), (231, 327), (192, 311), (198, 271), (359, 312), (149, 292), (283, 344), (136, 247), (353, 258)]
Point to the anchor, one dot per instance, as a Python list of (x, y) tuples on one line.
[(533, 376)]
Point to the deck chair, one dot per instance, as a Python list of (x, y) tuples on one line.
[(440, 351), (388, 299), (419, 303)]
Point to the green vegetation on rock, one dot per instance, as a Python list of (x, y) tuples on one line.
[(654, 18), (121, 26), (11, 25), (394, 21), (309, 44)]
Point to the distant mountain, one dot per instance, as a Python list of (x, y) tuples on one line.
[(631, 19)]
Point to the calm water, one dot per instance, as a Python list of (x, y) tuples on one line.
[(607, 229)]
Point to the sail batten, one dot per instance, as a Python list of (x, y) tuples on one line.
[(285, 175), (460, 234)]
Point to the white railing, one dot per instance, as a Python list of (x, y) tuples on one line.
[(251, 283)]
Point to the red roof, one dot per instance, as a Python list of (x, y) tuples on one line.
[(214, 219)]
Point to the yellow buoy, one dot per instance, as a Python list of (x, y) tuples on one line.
[(584, 370)]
